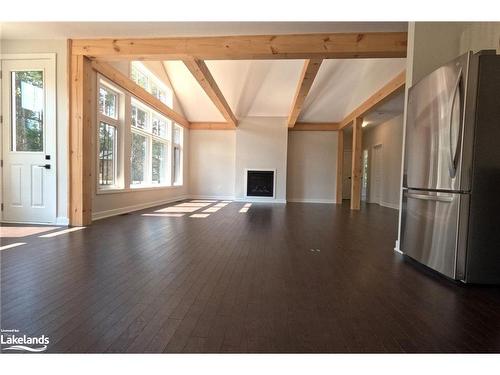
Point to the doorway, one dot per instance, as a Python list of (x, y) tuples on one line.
[(29, 181), (346, 175), (364, 176), (376, 174)]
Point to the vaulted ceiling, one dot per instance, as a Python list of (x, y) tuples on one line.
[(267, 87)]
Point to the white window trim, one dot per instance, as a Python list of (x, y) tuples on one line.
[(118, 124), (181, 162), (150, 137)]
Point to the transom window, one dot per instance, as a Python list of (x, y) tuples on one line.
[(149, 82)]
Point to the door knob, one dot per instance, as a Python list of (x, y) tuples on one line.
[(46, 166)]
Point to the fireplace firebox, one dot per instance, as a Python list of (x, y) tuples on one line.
[(260, 183)]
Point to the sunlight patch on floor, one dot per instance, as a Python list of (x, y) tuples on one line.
[(23, 231), (202, 201), (245, 208), (212, 209), (12, 245), (178, 209), (191, 204), (164, 215), (58, 233), (200, 216), (221, 204)]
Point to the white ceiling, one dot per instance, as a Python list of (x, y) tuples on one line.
[(63, 30), (267, 87), (342, 85)]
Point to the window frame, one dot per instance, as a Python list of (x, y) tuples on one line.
[(117, 123), (124, 130), (150, 137), (179, 146), (152, 78)]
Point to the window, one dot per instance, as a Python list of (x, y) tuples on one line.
[(177, 165), (108, 131), (131, 136), (149, 156), (107, 151), (149, 82), (138, 159)]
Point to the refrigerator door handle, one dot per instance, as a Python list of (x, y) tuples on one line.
[(439, 198), (453, 154)]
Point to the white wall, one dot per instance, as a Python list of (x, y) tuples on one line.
[(59, 47), (480, 35), (390, 135), (312, 163), (212, 156), (261, 142)]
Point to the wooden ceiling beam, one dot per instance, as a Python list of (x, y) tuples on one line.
[(248, 47), (309, 72), (393, 87), (315, 126), (211, 126), (202, 74), (126, 83)]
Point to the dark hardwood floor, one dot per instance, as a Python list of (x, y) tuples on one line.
[(294, 278)]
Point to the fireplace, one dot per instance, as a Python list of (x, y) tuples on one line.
[(260, 183)]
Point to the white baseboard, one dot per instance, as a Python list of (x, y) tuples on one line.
[(137, 207), (390, 205), (60, 220), (214, 197), (306, 200), (396, 248), (261, 200)]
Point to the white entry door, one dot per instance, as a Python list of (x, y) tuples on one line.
[(29, 140)]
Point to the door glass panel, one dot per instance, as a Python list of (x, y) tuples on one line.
[(27, 111)]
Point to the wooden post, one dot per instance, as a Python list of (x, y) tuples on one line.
[(81, 140), (340, 165), (356, 163)]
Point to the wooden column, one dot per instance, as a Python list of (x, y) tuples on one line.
[(80, 141), (356, 163), (340, 165)]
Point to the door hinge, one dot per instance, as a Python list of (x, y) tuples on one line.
[(1, 163), (1, 119), (2, 206)]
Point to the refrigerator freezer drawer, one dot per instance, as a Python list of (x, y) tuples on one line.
[(429, 231)]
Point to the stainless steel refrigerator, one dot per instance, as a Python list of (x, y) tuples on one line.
[(451, 182)]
